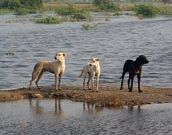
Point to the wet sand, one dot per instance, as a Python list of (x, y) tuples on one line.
[(108, 95)]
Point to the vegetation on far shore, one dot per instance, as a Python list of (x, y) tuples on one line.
[(79, 12), (146, 10), (49, 20)]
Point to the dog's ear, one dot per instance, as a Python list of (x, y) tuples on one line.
[(91, 59), (64, 54), (97, 59)]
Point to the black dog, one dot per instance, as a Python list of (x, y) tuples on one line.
[(134, 68)]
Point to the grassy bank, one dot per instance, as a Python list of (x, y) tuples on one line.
[(6, 11), (165, 9), (49, 20), (81, 12), (107, 96)]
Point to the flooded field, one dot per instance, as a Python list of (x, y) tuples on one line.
[(112, 41), (66, 117)]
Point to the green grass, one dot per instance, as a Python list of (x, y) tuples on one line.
[(106, 5), (147, 10), (165, 9), (81, 12), (88, 26), (73, 12), (49, 20), (24, 11), (5, 11), (64, 11)]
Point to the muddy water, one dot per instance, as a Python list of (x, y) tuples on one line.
[(67, 117), (113, 42)]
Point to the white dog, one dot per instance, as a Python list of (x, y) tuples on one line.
[(56, 67), (92, 70)]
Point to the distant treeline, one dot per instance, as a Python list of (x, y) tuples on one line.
[(14, 4)]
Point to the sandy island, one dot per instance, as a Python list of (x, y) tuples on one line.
[(108, 95)]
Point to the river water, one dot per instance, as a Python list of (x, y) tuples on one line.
[(64, 117), (112, 41)]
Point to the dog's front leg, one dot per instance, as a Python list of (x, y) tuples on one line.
[(92, 81), (84, 83), (59, 84), (88, 82), (132, 79), (97, 83), (129, 81), (55, 77), (139, 77)]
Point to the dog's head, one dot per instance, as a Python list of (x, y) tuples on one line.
[(60, 56), (142, 60), (94, 61)]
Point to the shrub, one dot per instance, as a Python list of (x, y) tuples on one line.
[(32, 3), (24, 11), (14, 4), (146, 10), (165, 9), (167, 1), (88, 26), (49, 20), (107, 5), (73, 12), (80, 14), (5, 11), (10, 4), (66, 10)]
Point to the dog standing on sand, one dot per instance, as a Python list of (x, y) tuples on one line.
[(134, 68), (92, 70), (56, 67)]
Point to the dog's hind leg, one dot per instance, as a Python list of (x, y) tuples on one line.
[(36, 71), (38, 78), (33, 78), (30, 84), (122, 77)]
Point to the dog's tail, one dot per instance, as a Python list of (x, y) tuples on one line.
[(123, 74), (81, 73)]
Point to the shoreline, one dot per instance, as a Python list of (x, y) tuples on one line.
[(108, 95)]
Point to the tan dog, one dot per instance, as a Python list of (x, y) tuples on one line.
[(92, 70), (56, 67)]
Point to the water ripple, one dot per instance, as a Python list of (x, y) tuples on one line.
[(113, 42)]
